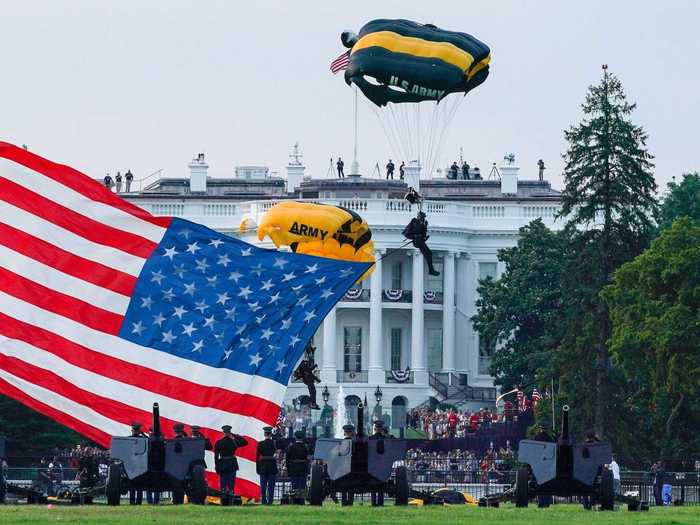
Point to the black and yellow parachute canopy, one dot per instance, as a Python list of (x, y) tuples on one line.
[(403, 61)]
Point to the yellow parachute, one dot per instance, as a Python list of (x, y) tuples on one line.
[(318, 229)]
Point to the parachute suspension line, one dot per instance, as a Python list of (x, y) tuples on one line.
[(389, 251), (431, 138), (449, 115), (387, 115), (385, 127)]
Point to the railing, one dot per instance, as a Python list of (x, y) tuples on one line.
[(438, 385), (509, 216), (351, 377)]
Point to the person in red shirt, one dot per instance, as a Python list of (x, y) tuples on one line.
[(474, 422), (452, 421)]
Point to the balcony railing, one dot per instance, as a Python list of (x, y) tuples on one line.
[(432, 297), (351, 377)]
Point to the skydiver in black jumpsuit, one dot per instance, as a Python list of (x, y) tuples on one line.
[(417, 232)]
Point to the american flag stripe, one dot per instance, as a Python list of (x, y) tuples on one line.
[(74, 222), (66, 284), (341, 62), (168, 367), (20, 219), (66, 262), (87, 195), (134, 375), (76, 266)]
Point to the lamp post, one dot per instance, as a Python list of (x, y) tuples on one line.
[(378, 395), (378, 408), (325, 394)]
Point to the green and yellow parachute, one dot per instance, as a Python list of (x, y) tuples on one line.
[(403, 61)]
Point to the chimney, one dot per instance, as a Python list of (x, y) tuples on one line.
[(295, 169), (198, 174), (412, 174), (509, 175)]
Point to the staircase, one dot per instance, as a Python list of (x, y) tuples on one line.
[(454, 389)]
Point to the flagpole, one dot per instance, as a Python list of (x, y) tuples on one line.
[(553, 400), (355, 167)]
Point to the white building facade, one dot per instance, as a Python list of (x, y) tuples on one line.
[(402, 330)]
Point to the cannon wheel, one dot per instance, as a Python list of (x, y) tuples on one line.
[(198, 486), (607, 491), (522, 496), (113, 489), (401, 486), (316, 485)]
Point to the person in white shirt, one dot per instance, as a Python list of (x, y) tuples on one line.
[(615, 468)]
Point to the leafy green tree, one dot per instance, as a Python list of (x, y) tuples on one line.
[(521, 312), (655, 307), (609, 204), (682, 200), (29, 433)]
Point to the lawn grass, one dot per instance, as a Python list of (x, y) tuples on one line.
[(334, 514)]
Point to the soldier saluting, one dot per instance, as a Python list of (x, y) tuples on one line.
[(226, 464), (266, 466), (136, 496)]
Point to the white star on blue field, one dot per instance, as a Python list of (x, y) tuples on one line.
[(222, 302)]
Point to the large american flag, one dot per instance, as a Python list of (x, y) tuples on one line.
[(341, 62), (106, 309)]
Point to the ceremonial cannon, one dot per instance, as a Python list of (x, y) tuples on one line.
[(358, 465), (564, 469), (157, 464)]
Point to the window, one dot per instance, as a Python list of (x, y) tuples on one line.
[(487, 269), (396, 276), (434, 349), (486, 349), (353, 348), (434, 282), (396, 349)]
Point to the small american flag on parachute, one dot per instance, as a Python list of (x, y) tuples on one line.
[(341, 62)]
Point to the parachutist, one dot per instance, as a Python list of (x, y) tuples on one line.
[(413, 196), (306, 372), (417, 232)]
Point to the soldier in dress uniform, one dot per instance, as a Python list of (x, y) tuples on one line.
[(136, 496), (225, 461), (298, 464), (196, 433), (179, 430), (266, 466), (347, 496)]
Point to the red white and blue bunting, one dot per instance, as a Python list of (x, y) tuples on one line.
[(401, 376), (393, 295)]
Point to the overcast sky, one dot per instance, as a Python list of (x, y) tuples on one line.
[(146, 85)]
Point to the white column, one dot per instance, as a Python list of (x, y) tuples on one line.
[(376, 361), (330, 337), (417, 349), (448, 313)]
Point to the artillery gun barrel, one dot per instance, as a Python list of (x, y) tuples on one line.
[(565, 437), (360, 420), (156, 420)]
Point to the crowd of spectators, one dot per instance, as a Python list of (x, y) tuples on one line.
[(460, 465), (438, 424), (87, 465)]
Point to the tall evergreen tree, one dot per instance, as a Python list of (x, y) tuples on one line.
[(682, 200), (609, 203)]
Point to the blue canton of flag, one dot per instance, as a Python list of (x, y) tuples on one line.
[(223, 302)]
